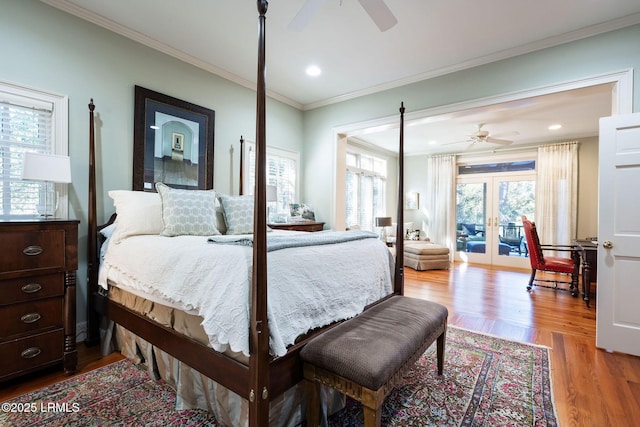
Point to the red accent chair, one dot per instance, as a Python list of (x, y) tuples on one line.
[(552, 264)]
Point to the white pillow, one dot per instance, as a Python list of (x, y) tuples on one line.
[(187, 212), (139, 212)]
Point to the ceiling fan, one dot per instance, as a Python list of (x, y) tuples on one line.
[(377, 10), (482, 135)]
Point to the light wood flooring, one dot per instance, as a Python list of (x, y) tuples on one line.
[(592, 388)]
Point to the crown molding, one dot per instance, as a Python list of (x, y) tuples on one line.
[(101, 21), (571, 36)]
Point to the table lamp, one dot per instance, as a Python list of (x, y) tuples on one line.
[(272, 196), (48, 168), (384, 222)]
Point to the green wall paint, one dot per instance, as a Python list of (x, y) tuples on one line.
[(59, 53)]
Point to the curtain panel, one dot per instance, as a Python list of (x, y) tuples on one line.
[(556, 192), (441, 200)]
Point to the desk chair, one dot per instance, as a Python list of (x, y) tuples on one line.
[(553, 264)]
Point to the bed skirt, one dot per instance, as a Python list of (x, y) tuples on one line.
[(195, 390)]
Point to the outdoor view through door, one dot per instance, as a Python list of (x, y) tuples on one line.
[(490, 201)]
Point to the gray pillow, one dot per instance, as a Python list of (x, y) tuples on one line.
[(187, 212), (238, 213)]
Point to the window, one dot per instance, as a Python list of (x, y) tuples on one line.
[(282, 172), (35, 121), (366, 189)]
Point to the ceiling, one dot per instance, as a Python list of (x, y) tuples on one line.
[(431, 38)]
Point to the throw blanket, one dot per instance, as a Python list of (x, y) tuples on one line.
[(284, 241)]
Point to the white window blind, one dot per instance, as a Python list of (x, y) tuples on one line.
[(282, 172), (27, 124), (366, 189)]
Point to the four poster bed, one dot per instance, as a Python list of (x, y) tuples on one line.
[(217, 336)]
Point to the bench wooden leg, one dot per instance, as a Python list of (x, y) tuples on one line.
[(313, 403), (372, 416), (440, 351)]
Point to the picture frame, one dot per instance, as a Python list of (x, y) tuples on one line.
[(173, 142), (412, 200)]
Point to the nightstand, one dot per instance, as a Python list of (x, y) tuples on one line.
[(298, 226), (38, 295)]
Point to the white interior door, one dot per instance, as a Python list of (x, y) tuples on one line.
[(618, 299)]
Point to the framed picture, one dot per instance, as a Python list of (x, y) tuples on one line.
[(411, 200), (172, 142)]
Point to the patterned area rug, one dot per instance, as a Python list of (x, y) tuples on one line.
[(487, 381)]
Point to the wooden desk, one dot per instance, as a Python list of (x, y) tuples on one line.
[(589, 255), (298, 226)]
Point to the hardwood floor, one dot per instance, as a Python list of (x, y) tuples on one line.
[(592, 388)]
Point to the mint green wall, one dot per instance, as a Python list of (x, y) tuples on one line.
[(600, 54), (63, 54), (59, 53)]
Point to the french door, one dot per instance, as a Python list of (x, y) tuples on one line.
[(489, 209)]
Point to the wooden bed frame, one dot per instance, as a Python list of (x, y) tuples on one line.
[(265, 377)]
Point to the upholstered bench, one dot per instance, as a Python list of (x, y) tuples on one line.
[(421, 255), (366, 356)]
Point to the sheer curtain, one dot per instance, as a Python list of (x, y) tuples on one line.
[(441, 200), (556, 192)]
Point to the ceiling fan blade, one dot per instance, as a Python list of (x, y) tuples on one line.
[(379, 13), (458, 142), (499, 141), (305, 14)]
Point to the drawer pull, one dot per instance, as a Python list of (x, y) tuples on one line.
[(31, 317), (31, 352), (32, 250), (31, 288)]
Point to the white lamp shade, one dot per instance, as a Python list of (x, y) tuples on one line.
[(46, 167), (272, 193)]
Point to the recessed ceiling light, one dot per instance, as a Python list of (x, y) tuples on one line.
[(313, 71), (555, 127), (433, 142)]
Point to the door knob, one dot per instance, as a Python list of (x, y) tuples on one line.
[(607, 244)]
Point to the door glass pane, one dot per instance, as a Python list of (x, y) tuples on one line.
[(515, 198), (471, 215)]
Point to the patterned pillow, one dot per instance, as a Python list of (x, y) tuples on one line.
[(238, 213), (187, 212)]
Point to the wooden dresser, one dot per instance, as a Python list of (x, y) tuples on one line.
[(37, 295)]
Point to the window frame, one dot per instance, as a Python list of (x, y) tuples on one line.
[(32, 97), (358, 170)]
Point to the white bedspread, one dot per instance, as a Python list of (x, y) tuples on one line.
[(308, 287)]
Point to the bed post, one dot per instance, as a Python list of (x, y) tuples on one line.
[(398, 284), (93, 330), (241, 164), (259, 333)]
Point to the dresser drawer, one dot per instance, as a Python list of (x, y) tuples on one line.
[(25, 354), (31, 288), (32, 250), (30, 317)]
